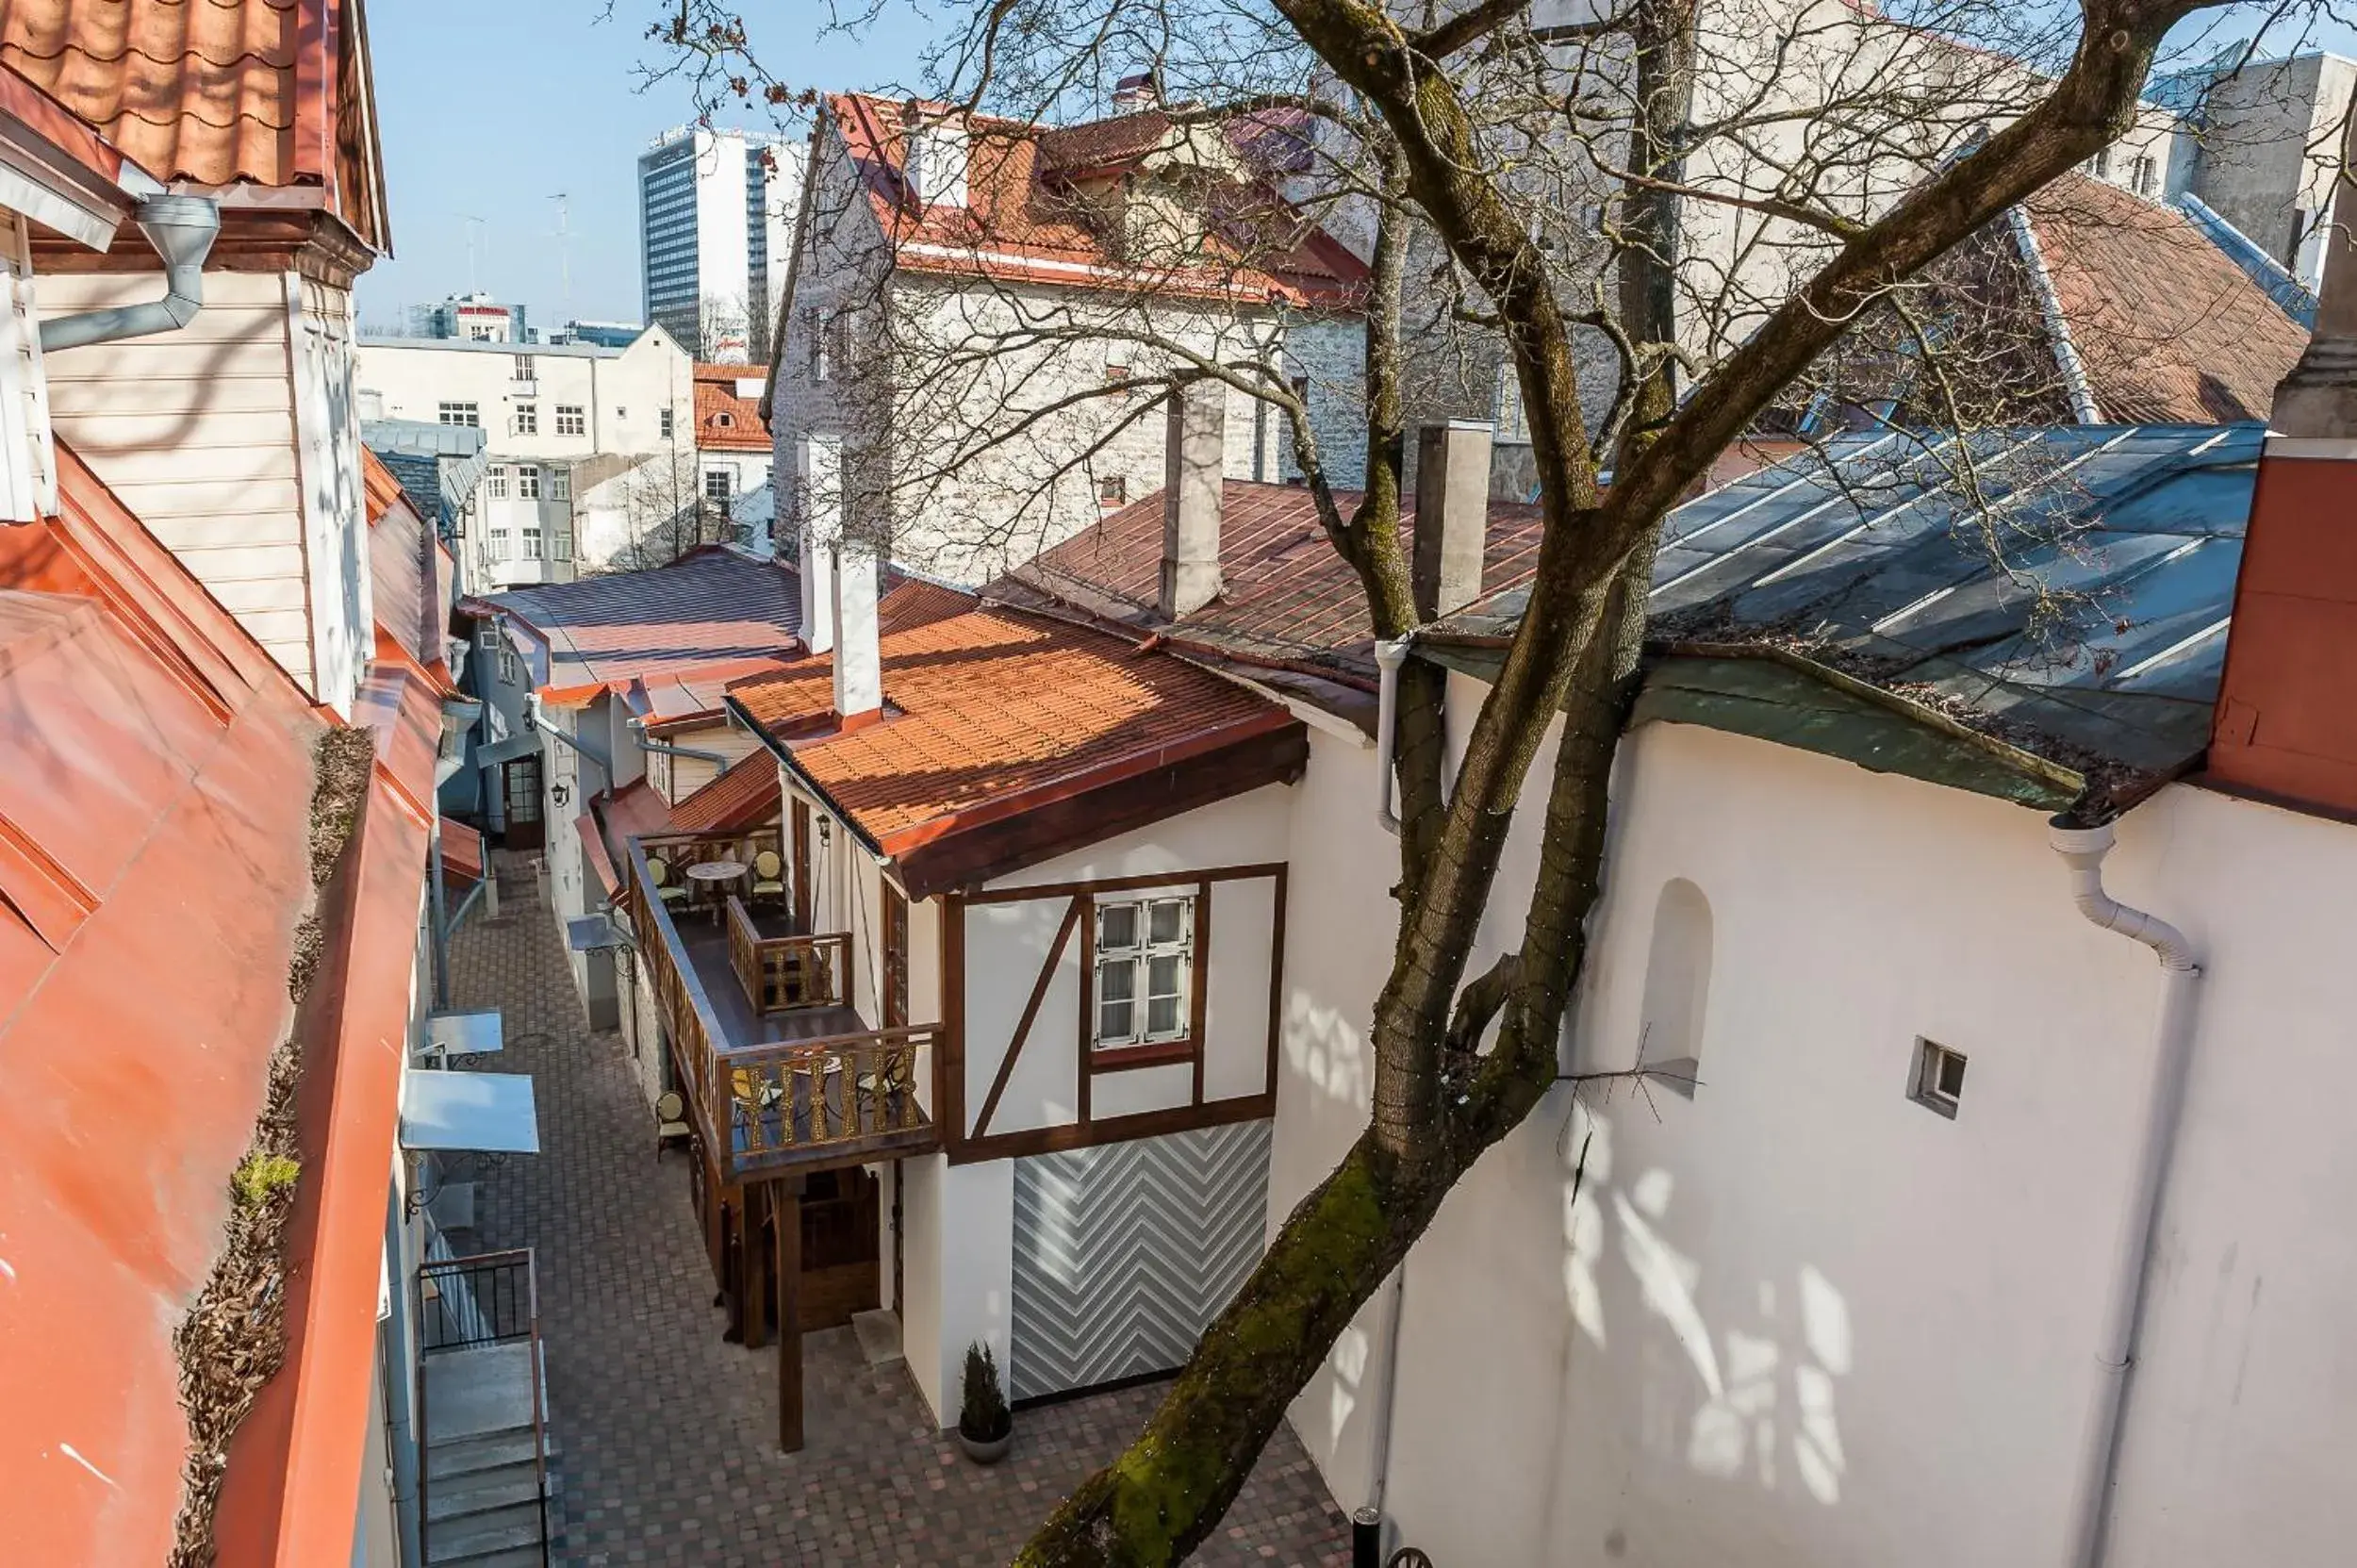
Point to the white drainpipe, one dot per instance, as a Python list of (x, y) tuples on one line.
[(2083, 849), (1389, 655)]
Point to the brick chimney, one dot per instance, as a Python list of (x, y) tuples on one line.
[(2286, 724), (1452, 515), (1195, 467), (858, 656)]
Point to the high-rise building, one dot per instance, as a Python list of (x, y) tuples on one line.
[(716, 222)]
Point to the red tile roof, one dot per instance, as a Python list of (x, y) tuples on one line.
[(269, 92), (744, 796), (727, 421), (913, 601), (1019, 225), (711, 606), (989, 713), (1284, 591), (2170, 330)]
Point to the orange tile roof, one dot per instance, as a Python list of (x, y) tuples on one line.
[(987, 712), (744, 796), (1018, 226), (270, 92), (913, 601), (2170, 330), (726, 421)]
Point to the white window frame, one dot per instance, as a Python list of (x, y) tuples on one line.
[(572, 419), (527, 419), (725, 490), (464, 416), (497, 546), (560, 482), (1134, 962), (532, 540), (1930, 1083), (527, 481), (495, 482)]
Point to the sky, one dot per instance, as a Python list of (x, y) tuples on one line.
[(488, 109)]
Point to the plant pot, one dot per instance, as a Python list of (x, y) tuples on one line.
[(986, 1453)]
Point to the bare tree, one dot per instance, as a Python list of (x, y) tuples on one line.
[(1654, 222)]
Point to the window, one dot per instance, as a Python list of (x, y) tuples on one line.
[(560, 483), (528, 482), (716, 485), (2147, 176), (620, 412), (459, 413), (1117, 375), (561, 540), (1113, 490), (816, 337), (568, 419), (1937, 1080), (523, 366), (496, 481), (478, 332), (724, 419), (511, 671), (499, 546), (532, 541), (666, 420), (1145, 970), (527, 419), (1677, 988)]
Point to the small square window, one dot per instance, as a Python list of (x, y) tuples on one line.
[(1937, 1080), (1113, 490)]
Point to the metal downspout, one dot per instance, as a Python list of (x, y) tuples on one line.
[(182, 230), (2083, 849)]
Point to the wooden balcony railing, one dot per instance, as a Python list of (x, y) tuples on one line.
[(782, 973), (767, 1106), (787, 1102)]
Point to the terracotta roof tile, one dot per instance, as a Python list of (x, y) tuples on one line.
[(725, 419), (984, 708), (2171, 331), (216, 91), (913, 601), (1016, 224), (744, 796)]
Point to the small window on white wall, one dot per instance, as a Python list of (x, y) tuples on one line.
[(1937, 1080), (1677, 987), (1145, 971)]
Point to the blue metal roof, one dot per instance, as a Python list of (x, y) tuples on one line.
[(2076, 608)]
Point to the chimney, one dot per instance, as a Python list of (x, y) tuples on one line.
[(1452, 515), (2286, 724), (1137, 91), (934, 167), (1193, 470), (858, 656), (821, 525)]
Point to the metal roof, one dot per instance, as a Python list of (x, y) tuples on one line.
[(2077, 609)]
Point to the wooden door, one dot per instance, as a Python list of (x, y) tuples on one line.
[(802, 866), (840, 1258), (896, 958), (520, 783)]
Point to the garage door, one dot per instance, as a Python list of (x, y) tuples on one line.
[(1125, 1251)]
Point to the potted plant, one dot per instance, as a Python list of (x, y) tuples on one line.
[(985, 1426)]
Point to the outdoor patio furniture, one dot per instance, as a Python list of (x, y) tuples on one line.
[(714, 876), (670, 1120), (768, 878), (667, 885)]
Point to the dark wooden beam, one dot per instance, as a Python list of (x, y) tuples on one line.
[(786, 1205), (755, 1269), (1031, 1013), (1113, 1130)]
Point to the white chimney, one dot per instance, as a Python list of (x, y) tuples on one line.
[(1193, 468), (858, 654), (821, 508), (1137, 91), (1452, 515), (934, 167)]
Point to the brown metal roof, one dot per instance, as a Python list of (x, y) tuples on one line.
[(710, 606)]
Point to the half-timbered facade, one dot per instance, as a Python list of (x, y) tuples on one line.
[(996, 979)]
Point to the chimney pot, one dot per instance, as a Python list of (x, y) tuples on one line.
[(1452, 515), (1195, 469)]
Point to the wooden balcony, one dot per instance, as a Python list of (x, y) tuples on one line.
[(781, 1073)]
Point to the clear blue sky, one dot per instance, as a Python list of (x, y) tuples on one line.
[(489, 107)]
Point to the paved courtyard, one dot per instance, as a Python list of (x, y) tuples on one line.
[(668, 1435)]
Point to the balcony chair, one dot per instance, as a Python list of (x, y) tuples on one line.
[(667, 886), (670, 1120), (893, 1074), (768, 878)]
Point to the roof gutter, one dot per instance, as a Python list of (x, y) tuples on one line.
[(638, 726), (2074, 370), (182, 229)]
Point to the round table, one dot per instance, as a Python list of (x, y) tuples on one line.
[(716, 875)]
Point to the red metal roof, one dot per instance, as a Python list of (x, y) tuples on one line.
[(409, 585), (154, 844), (1284, 591), (986, 711), (712, 606), (1017, 226), (270, 92), (744, 796)]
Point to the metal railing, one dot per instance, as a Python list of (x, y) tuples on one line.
[(487, 1298), (782, 973)]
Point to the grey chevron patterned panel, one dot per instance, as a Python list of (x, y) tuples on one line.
[(1122, 1252)]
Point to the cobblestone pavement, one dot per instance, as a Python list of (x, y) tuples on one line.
[(666, 1435)]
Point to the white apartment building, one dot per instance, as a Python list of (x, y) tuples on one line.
[(549, 402), (716, 226)]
